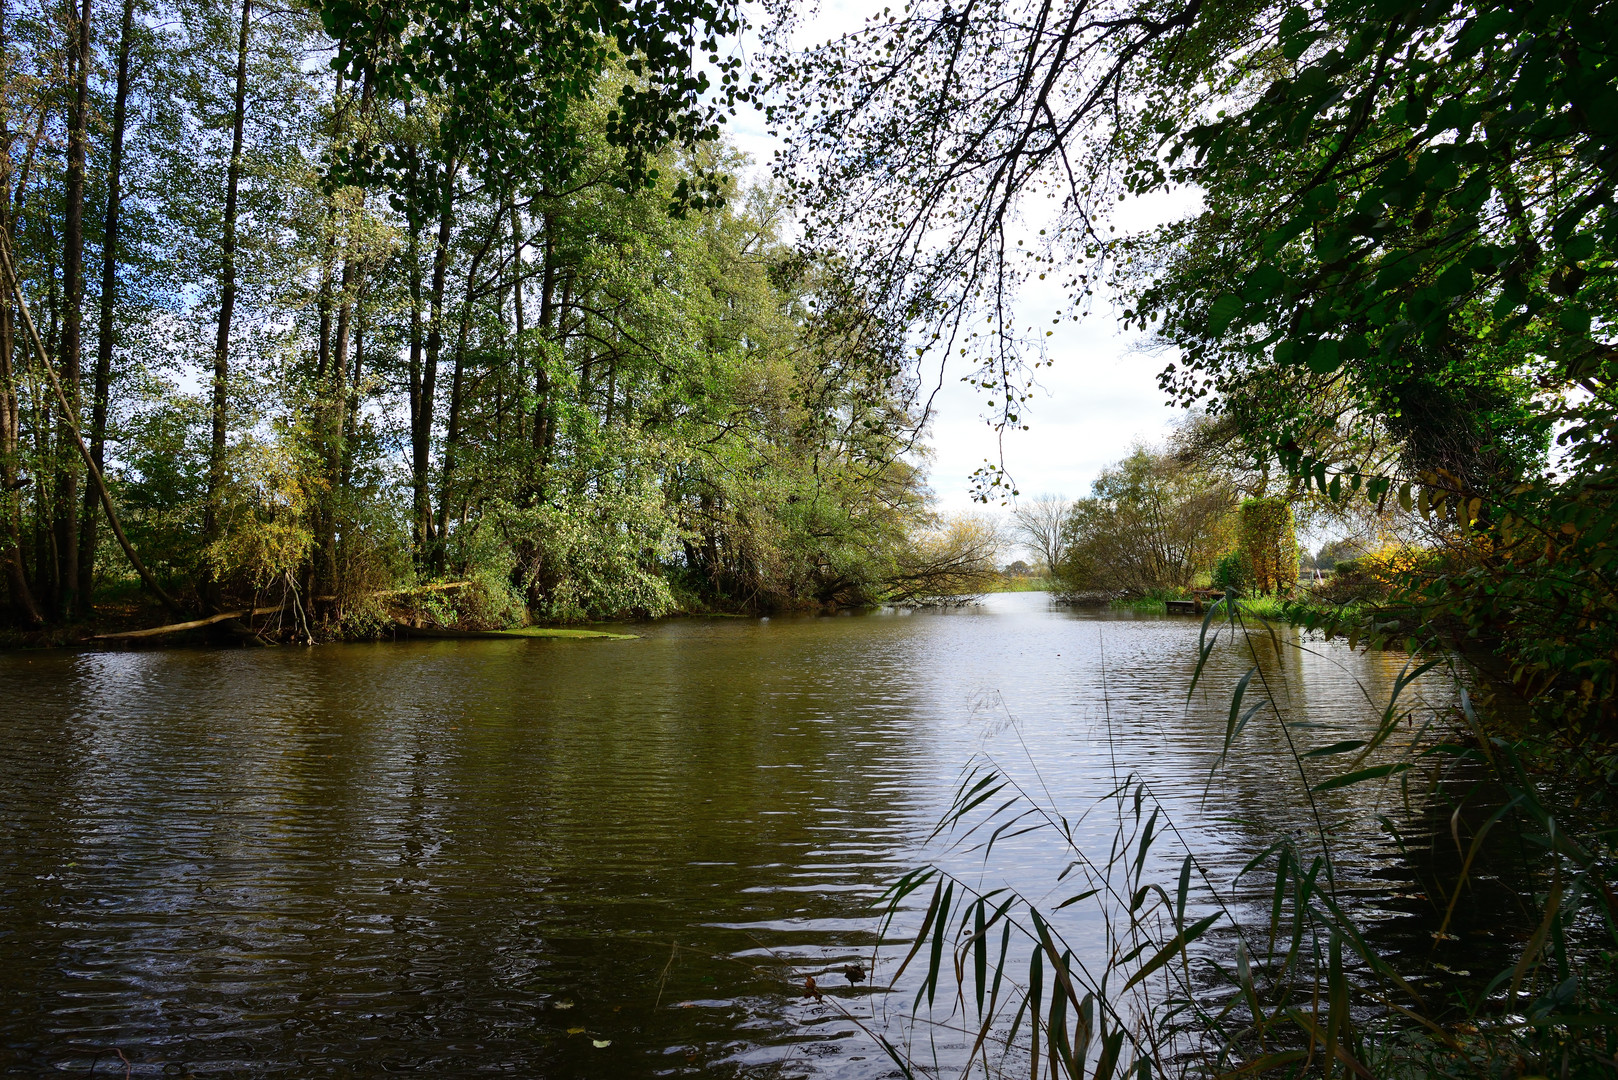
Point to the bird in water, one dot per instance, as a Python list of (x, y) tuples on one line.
[(854, 972)]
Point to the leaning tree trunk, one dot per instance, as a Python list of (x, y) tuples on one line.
[(8, 277), (22, 597)]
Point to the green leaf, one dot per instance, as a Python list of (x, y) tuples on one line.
[(1175, 946), (1375, 772), (1575, 319), (1323, 358), (1224, 309), (1456, 281)]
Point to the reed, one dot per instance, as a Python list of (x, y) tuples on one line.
[(1272, 971)]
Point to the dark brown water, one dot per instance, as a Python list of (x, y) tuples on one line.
[(562, 858)]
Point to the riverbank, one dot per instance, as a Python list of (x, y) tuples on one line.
[(132, 621), (1305, 612)]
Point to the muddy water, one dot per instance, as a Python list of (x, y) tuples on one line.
[(568, 858)]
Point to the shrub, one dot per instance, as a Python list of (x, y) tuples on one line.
[(1268, 540), (1371, 578), (1232, 571)]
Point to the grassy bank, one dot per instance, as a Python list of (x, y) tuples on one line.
[(1299, 611)]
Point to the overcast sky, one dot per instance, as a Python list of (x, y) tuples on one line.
[(1098, 398)]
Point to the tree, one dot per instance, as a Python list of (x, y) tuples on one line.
[(1040, 524), (110, 240), (1267, 543), (953, 562), (1150, 523)]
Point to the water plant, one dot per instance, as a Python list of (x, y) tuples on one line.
[(1190, 969)]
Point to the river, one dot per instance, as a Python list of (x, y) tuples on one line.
[(556, 858)]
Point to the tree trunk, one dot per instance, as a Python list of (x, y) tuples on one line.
[(67, 485), (452, 436), (421, 421), (334, 408), (517, 315), (352, 409), (227, 288), (417, 385), (109, 296), (452, 433), (47, 563), (542, 378), (22, 597)]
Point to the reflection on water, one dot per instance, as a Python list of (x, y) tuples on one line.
[(568, 858)]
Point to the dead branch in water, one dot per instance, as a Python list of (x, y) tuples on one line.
[(194, 624)]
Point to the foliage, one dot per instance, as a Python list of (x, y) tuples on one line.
[(954, 562), (596, 554), (1338, 551), (266, 535), (498, 315), (1232, 571), (1434, 208), (512, 80), (1151, 522), (1395, 286), (1268, 542)]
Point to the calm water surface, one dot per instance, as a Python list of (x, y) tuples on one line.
[(568, 858)]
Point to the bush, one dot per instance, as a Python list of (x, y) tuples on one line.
[(1369, 579), (1232, 571), (1268, 541)]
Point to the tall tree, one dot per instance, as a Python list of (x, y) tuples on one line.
[(220, 414), (67, 524), (110, 236), (1040, 525)]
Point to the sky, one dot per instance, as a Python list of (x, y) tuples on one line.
[(1092, 405)]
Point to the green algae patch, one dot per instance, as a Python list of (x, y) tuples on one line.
[(562, 632), (575, 633)]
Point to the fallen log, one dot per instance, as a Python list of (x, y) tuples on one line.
[(225, 616), (194, 624)]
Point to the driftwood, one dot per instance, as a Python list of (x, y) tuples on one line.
[(226, 616), (245, 612), (194, 624), (423, 588)]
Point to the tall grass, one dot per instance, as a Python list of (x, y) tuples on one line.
[(1270, 971)]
